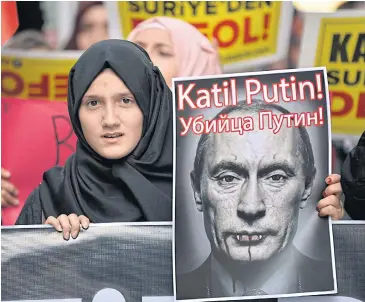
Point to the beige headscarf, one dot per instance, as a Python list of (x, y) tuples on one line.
[(195, 54)]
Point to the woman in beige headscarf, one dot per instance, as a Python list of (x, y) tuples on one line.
[(177, 48)]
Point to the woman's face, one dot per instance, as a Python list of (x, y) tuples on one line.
[(157, 42), (110, 118), (93, 27)]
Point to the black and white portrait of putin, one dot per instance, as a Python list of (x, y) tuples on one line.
[(250, 189)]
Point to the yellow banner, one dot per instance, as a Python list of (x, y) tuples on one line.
[(245, 30), (35, 78), (341, 48)]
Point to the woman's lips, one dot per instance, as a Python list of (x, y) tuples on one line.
[(112, 138), (112, 135)]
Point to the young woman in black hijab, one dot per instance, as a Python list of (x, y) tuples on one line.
[(353, 181), (121, 111)]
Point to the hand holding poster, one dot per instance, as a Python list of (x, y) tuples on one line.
[(248, 32), (245, 195), (337, 41)]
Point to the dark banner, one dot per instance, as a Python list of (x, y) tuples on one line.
[(109, 263), (130, 263)]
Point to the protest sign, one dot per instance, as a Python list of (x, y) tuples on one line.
[(337, 41), (35, 136), (117, 262), (36, 75), (121, 263), (252, 151), (249, 33)]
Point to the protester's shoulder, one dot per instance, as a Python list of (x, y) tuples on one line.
[(354, 192), (353, 181), (353, 168), (32, 210), (56, 171)]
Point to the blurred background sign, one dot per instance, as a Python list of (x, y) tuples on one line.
[(36, 75), (337, 41), (249, 33)]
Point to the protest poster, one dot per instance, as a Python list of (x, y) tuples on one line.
[(34, 95), (116, 262), (252, 154), (36, 75), (337, 41), (249, 33), (35, 136)]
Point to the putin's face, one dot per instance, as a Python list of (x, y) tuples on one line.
[(250, 191)]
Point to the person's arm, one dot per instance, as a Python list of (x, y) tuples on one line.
[(32, 210), (353, 181)]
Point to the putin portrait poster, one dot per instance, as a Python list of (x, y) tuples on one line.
[(252, 155)]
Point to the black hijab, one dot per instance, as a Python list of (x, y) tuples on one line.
[(137, 187)]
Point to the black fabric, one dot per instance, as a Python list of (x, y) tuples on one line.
[(32, 210), (353, 181), (137, 187)]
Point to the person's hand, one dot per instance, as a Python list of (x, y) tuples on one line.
[(331, 204), (9, 192), (70, 225)]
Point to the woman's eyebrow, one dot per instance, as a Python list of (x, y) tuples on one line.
[(119, 94), (161, 44), (158, 44), (123, 94), (91, 96)]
